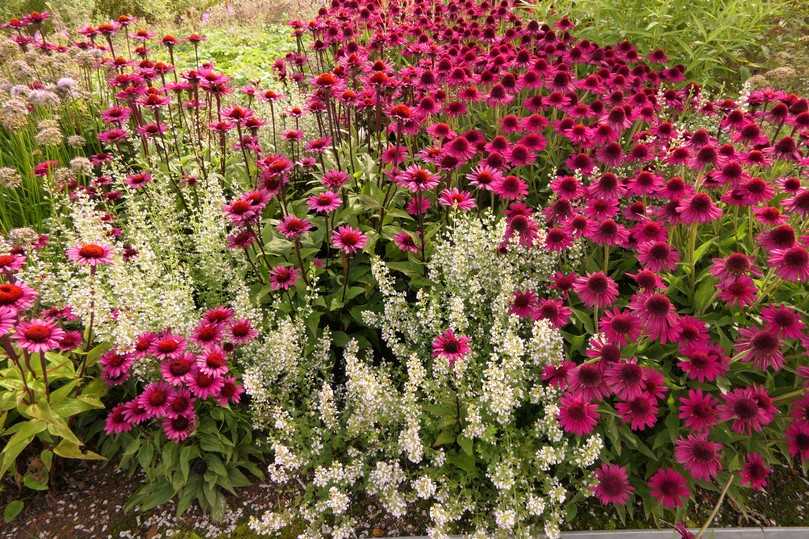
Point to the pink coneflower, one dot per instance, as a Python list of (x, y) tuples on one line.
[(749, 408), (335, 179), (417, 179), (588, 381), (754, 472), (658, 256), (761, 347), (242, 332), (733, 266), (8, 317), (699, 456), (204, 385), (577, 415), (557, 375), (135, 412), (669, 487), (90, 254), (798, 203), (455, 198), (116, 421), (698, 208), (606, 232), (557, 239), (596, 290), (293, 227), (639, 413), (625, 379), (348, 239), (703, 362), (554, 311), (176, 370), (484, 177), (698, 411), (657, 315), (613, 485), (213, 362), (405, 242), (599, 349), (283, 277), (325, 202), (526, 228), (797, 437), (179, 428), (648, 281), (791, 264), (784, 320), (231, 392), (139, 180), (116, 363), (451, 347), (510, 188), (207, 334), (181, 402), (524, 304), (11, 263), (741, 291), (781, 237), (218, 315), (38, 335), (167, 346), (691, 331), (620, 327), (155, 399), (800, 409)]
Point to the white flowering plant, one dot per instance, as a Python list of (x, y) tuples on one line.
[(469, 435)]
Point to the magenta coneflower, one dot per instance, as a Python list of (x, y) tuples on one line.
[(606, 232), (698, 208), (781, 237), (749, 408), (348, 239), (484, 177), (155, 399), (455, 198), (116, 363), (405, 242), (699, 456), (179, 428), (116, 421), (335, 179), (740, 291), (135, 412), (293, 227), (90, 254), (784, 320), (139, 180), (691, 331), (11, 263), (733, 266), (325, 202), (554, 311), (639, 413), (218, 315), (242, 332), (648, 281), (669, 487), (625, 379), (596, 290), (755, 472), (181, 402), (658, 256), (613, 484), (167, 346), (207, 334), (657, 315), (761, 347), (698, 411), (213, 362), (798, 203), (283, 277), (416, 179), (451, 347), (38, 335), (231, 392), (800, 409), (797, 437), (620, 327), (524, 304), (588, 380), (791, 264), (577, 415), (204, 385), (176, 370), (703, 362)]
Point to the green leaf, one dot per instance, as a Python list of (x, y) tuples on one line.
[(466, 445), (73, 451), (12, 510), (19, 441), (446, 436), (47, 458), (29, 481), (94, 354)]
